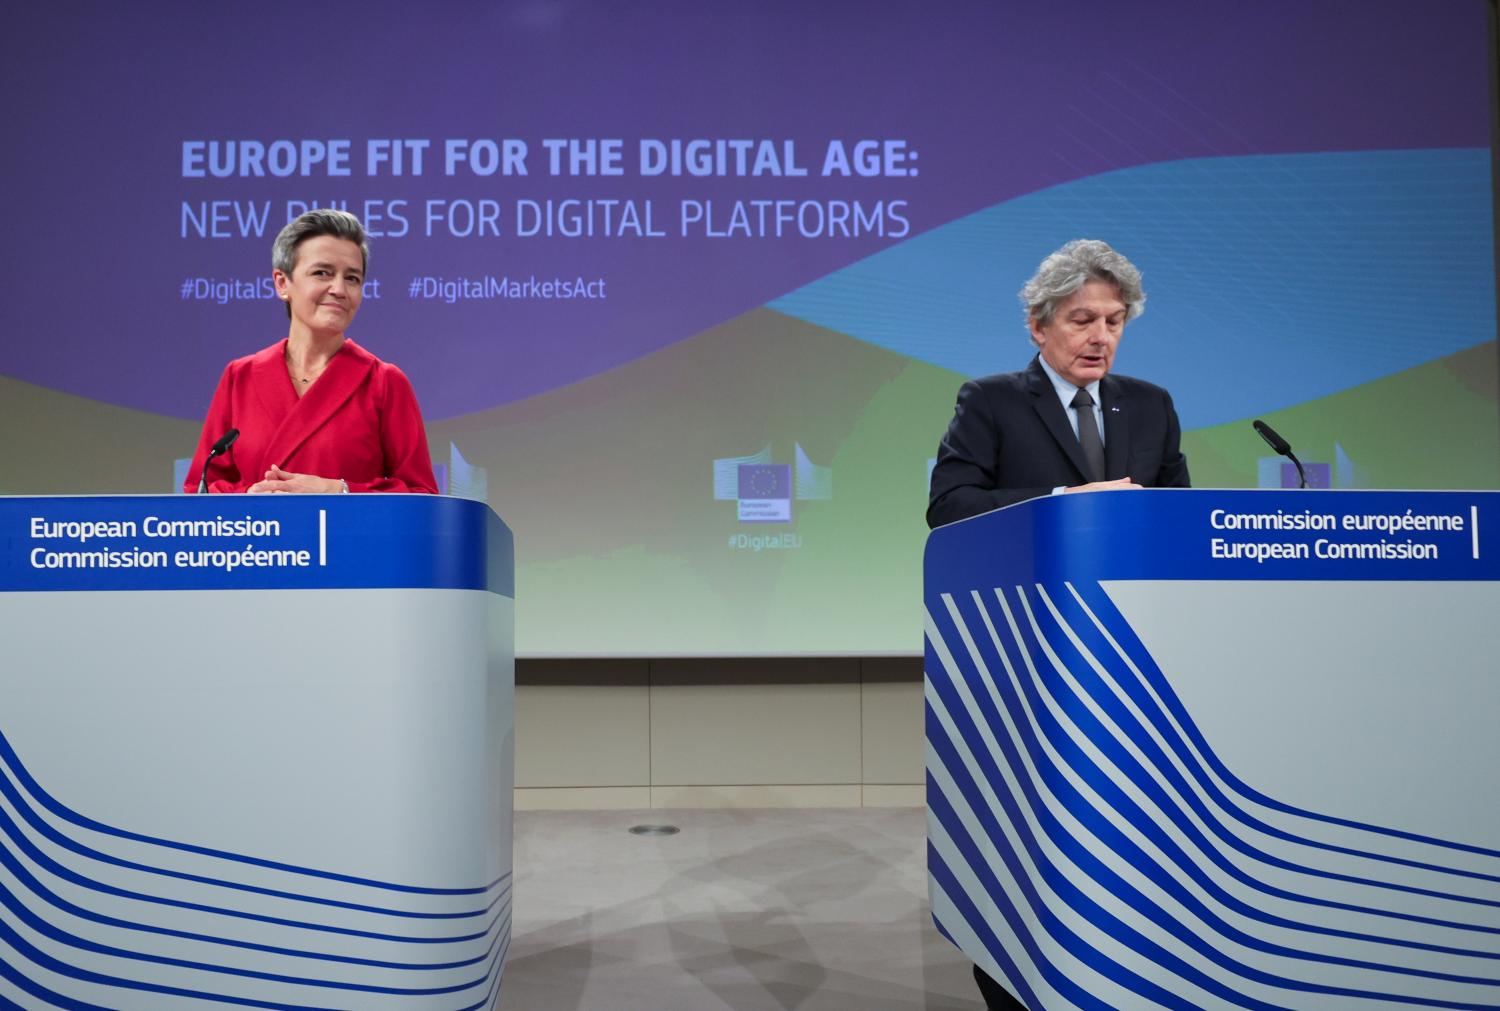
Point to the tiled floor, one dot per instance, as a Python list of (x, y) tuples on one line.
[(823, 910)]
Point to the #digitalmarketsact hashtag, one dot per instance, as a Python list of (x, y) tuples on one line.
[(452, 290)]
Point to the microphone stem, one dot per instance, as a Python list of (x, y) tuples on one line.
[(203, 479), (1302, 474)]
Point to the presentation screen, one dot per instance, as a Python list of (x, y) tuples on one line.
[(686, 291)]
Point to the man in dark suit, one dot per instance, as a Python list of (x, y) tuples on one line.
[(1018, 435), (1064, 423)]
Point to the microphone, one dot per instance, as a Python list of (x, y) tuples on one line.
[(1281, 447), (217, 449)]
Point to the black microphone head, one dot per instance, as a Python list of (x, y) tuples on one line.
[(224, 442), (1279, 445)]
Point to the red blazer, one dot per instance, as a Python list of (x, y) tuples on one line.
[(359, 421)]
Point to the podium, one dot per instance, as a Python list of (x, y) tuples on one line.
[(1219, 749), (255, 751)]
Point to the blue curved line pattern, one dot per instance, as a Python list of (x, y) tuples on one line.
[(1088, 848), (1063, 887), (42, 827), (1244, 259), (1096, 632), (1137, 857), (10, 938), (65, 931), (43, 928), (9, 759), (1099, 608), (44, 861), (1118, 750), (36, 887), (494, 991), (46, 829)]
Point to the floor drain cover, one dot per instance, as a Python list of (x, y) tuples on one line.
[(654, 830)]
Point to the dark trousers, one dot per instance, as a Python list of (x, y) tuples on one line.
[(996, 997)]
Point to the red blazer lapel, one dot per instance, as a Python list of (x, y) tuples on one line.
[(345, 372), (275, 398)]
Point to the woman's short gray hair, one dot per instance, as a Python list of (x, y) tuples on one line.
[(339, 224), (1061, 275)]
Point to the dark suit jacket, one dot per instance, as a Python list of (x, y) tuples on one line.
[(1010, 440)]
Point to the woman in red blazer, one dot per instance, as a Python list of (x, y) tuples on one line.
[(316, 412)]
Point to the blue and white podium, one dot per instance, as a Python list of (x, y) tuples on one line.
[(255, 751), (1215, 749)]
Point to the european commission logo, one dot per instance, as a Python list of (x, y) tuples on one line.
[(763, 491)]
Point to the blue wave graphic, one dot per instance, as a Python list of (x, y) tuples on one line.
[(1088, 848), (69, 925), (1298, 275)]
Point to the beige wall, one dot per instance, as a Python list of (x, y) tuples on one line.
[(840, 732), (58, 444)]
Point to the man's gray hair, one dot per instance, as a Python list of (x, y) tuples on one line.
[(339, 224), (1078, 262)]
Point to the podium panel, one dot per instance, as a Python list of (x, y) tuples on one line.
[(1211, 749), (255, 751)]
